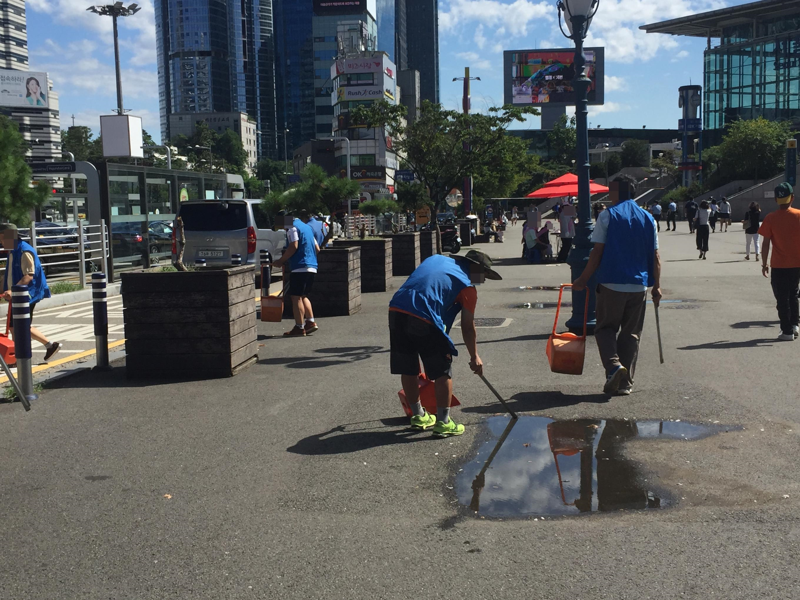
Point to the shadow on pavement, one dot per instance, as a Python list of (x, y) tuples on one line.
[(532, 401), (520, 338), (342, 440), (731, 345), (343, 356), (755, 324)]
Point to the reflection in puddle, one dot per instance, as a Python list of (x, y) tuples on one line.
[(539, 466), (541, 305)]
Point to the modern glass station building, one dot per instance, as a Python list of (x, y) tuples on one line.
[(754, 68)]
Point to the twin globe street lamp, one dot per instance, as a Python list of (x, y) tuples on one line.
[(578, 16)]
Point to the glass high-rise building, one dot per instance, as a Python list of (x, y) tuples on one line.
[(391, 19), (217, 56), (422, 45)]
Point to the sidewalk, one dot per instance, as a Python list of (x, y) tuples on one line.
[(299, 478)]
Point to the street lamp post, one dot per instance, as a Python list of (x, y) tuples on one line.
[(210, 155), (114, 11), (165, 147), (349, 206), (285, 151), (578, 16), (466, 102)]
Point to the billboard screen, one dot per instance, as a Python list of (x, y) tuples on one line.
[(344, 7), (24, 88), (537, 77)]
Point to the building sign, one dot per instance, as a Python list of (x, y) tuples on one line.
[(404, 175), (53, 167), (344, 94), (690, 125), (24, 88), (356, 65), (373, 173), (339, 7), (388, 72)]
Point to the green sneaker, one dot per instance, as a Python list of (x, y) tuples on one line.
[(424, 422), (447, 429)]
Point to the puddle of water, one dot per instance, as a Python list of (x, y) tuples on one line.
[(541, 305), (535, 466)]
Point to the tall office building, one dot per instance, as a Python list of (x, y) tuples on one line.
[(217, 56), (391, 18), (422, 40), (38, 120)]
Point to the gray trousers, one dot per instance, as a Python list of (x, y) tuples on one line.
[(619, 313)]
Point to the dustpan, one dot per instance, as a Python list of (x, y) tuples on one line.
[(566, 351), (272, 307), (7, 344), (427, 396)]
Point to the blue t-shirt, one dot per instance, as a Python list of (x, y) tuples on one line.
[(600, 236)]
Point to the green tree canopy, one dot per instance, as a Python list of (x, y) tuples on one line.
[(17, 198), (635, 153), (379, 207), (667, 165), (273, 171), (229, 148), (563, 141), (435, 145), (412, 196)]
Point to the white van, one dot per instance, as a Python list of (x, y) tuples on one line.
[(215, 230)]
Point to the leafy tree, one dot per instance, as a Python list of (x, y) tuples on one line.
[(433, 146), (201, 159), (751, 149), (412, 196), (380, 207), (667, 165), (614, 162), (635, 153), (272, 170), (563, 141), (503, 170), (229, 148), (539, 174), (253, 187), (17, 198)]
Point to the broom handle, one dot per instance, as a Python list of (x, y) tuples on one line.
[(499, 397), (658, 332)]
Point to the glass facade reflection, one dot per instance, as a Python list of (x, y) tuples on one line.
[(755, 72)]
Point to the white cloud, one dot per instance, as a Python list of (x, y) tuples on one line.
[(615, 84), (91, 119), (475, 61), (608, 107), (514, 17), (680, 56), (480, 39)]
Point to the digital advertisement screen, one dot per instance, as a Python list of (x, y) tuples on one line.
[(24, 88), (538, 77)]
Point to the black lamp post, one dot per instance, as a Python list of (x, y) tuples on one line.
[(114, 11), (578, 16)]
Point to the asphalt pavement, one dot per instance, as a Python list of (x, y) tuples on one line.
[(298, 478)]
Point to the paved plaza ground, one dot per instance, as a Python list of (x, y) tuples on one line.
[(298, 478)]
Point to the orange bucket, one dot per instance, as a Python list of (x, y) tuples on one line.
[(427, 396), (566, 351), (7, 344), (272, 307)]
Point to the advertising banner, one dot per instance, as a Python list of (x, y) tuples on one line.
[(538, 77), (356, 65), (372, 173), (343, 94), (23, 88), (339, 7)]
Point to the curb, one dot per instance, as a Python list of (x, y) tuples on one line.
[(85, 295)]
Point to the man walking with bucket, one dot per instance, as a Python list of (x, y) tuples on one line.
[(625, 256), (23, 268), (421, 315), (781, 232)]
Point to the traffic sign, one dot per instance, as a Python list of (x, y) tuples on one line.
[(404, 175), (53, 167)]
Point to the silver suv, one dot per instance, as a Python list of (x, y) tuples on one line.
[(215, 230)]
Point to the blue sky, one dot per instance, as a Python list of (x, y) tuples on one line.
[(643, 72)]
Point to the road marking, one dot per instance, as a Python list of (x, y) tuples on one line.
[(63, 361)]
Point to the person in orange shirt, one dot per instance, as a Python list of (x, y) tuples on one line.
[(781, 232)]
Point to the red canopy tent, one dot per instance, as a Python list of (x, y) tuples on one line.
[(566, 179), (566, 190)]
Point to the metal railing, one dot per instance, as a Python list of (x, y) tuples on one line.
[(68, 253)]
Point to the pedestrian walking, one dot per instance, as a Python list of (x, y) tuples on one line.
[(655, 210), (514, 216), (712, 219), (421, 316), (751, 224), (320, 228), (672, 215), (702, 222), (301, 255), (781, 233), (625, 257), (690, 210), (724, 214), (566, 220), (23, 268)]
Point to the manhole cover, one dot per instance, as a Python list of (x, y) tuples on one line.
[(491, 322), (539, 466)]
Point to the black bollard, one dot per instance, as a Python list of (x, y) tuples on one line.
[(100, 313), (21, 312)]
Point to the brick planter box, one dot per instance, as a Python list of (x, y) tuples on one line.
[(198, 324), (405, 253), (376, 263), (427, 244), (337, 285)]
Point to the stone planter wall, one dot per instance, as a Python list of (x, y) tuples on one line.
[(197, 324), (337, 285), (405, 253), (427, 244), (376, 263)]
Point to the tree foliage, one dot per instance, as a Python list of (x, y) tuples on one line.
[(273, 171), (442, 146), (17, 198), (317, 192), (563, 141), (635, 153), (667, 165), (751, 149), (412, 196), (379, 207)]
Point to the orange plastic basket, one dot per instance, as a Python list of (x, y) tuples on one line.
[(566, 351), (427, 396), (272, 307), (7, 344)]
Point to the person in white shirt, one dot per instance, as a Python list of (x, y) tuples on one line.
[(672, 215), (724, 214), (655, 210), (712, 219), (702, 220)]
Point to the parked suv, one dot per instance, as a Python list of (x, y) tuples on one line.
[(215, 230)]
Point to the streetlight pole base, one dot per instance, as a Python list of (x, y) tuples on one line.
[(578, 257)]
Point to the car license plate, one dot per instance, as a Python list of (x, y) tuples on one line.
[(211, 253)]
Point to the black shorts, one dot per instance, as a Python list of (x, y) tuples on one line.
[(412, 339), (724, 216), (300, 284), (656, 218)]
